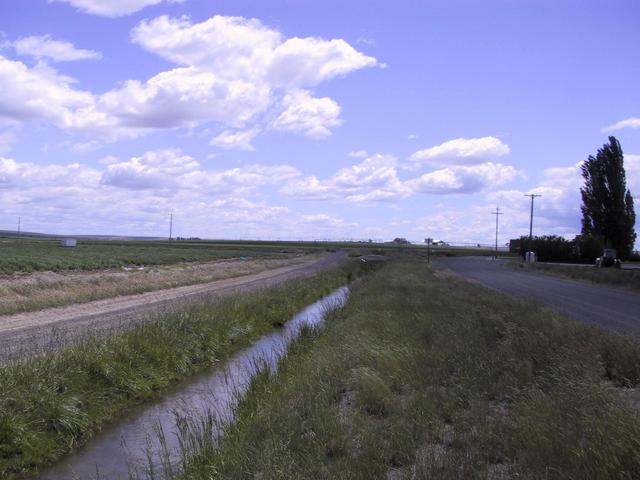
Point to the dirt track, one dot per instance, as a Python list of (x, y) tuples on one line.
[(21, 292), (26, 333)]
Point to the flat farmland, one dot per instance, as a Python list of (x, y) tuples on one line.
[(29, 255), (37, 274), (32, 255)]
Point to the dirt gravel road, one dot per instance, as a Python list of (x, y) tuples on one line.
[(28, 292), (25, 333), (609, 308)]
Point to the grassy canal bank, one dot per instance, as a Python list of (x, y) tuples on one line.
[(51, 404), (426, 376), (420, 375)]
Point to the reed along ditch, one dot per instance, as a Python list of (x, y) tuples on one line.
[(72, 400), (148, 441)]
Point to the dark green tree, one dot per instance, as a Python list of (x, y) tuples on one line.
[(607, 205)]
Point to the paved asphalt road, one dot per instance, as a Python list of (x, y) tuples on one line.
[(609, 308)]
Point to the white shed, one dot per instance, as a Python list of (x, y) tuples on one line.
[(68, 242)]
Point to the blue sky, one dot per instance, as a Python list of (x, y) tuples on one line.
[(304, 119)]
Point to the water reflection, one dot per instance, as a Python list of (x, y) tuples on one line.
[(150, 436)]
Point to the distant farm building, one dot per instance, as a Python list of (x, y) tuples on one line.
[(68, 242)]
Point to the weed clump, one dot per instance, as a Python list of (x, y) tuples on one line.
[(373, 395)]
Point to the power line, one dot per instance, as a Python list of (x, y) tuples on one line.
[(497, 213), (533, 196)]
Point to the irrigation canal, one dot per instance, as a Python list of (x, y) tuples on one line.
[(149, 437)]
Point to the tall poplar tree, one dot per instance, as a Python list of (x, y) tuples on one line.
[(607, 205)]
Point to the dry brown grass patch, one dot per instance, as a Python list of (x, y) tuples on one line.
[(28, 292)]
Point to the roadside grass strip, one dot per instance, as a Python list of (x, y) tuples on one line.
[(424, 376), (629, 279), (51, 404)]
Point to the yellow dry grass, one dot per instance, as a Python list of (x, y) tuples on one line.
[(21, 293)]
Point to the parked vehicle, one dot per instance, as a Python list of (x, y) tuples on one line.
[(609, 258)]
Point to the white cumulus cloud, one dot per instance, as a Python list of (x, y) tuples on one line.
[(44, 47), (462, 151), (230, 140), (161, 169), (38, 93), (113, 8), (374, 179), (557, 212), (231, 71), (358, 154), (464, 179), (175, 98), (7, 138), (326, 222), (170, 169), (310, 116), (232, 47), (310, 61), (25, 175), (632, 122), (134, 196), (238, 47)]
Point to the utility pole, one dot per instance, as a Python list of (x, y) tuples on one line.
[(533, 196), (497, 213), (19, 226), (170, 225)]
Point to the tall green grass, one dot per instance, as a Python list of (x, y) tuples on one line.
[(422, 376), (629, 279), (52, 404)]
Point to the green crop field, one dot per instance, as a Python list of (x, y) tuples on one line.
[(28, 255)]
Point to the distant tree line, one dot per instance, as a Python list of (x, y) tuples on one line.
[(552, 248), (608, 215)]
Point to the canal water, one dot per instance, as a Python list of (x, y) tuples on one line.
[(134, 445)]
